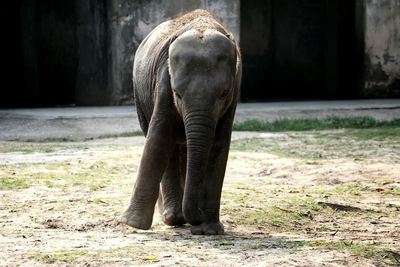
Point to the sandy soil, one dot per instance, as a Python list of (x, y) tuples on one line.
[(335, 204)]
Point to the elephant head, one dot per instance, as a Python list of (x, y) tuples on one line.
[(203, 69)]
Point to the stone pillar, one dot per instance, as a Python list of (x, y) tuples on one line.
[(92, 87), (382, 48), (121, 19)]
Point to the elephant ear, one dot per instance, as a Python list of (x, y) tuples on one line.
[(238, 61), (230, 36), (238, 73)]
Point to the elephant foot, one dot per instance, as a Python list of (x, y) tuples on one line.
[(173, 218), (137, 219), (214, 228)]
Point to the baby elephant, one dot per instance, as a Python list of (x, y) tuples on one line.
[(186, 79)]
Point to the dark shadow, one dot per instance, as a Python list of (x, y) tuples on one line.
[(231, 239), (41, 53), (297, 49)]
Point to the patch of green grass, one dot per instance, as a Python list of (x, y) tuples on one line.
[(314, 124), (299, 210), (366, 251), (138, 253), (379, 143), (354, 190), (379, 134), (38, 147), (51, 184), (98, 200), (127, 134), (296, 149), (12, 183), (348, 189), (255, 145), (278, 244), (27, 148), (392, 192), (94, 175), (61, 256), (288, 213)]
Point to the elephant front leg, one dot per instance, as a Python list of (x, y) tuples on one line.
[(157, 152), (213, 180), (170, 202), (210, 204)]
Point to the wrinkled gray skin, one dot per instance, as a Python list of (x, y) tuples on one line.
[(186, 84)]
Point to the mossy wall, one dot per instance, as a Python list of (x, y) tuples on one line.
[(382, 48)]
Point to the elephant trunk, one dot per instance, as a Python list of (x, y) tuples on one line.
[(200, 131)]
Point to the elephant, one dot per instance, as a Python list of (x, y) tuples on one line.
[(186, 79)]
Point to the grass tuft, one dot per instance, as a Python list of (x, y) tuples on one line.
[(314, 124), (366, 251), (9, 183), (118, 135), (61, 256)]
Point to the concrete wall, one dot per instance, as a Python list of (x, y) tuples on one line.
[(382, 48), (131, 21)]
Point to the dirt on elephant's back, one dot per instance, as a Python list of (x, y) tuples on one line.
[(199, 20)]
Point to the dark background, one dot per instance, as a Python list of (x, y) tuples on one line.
[(294, 49), (57, 53)]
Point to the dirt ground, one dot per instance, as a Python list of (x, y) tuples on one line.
[(317, 198)]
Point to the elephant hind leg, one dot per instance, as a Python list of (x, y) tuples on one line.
[(144, 123), (171, 193)]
